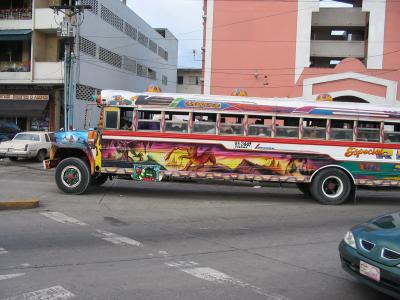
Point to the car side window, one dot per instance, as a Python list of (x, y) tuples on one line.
[(47, 138)]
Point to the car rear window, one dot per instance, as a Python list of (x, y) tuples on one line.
[(27, 137)]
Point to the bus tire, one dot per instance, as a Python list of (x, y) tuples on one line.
[(72, 176), (304, 188), (331, 186), (98, 179)]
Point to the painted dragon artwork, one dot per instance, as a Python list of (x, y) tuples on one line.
[(213, 160)]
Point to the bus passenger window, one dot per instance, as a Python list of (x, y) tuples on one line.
[(314, 129), (342, 130), (126, 119), (287, 127), (260, 126), (231, 125), (176, 122), (204, 123), (368, 131), (149, 120), (111, 119), (391, 133)]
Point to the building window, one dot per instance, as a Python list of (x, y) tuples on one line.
[(152, 74), (180, 79), (129, 64), (164, 80), (84, 92), (93, 4), (144, 40), (131, 31), (111, 18), (162, 53), (141, 70), (87, 47), (194, 80), (153, 46), (110, 58)]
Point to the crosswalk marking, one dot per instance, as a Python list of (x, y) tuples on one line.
[(62, 218), (52, 293)]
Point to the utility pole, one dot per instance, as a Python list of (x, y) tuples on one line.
[(72, 11)]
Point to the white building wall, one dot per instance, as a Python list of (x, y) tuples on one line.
[(93, 72), (189, 85)]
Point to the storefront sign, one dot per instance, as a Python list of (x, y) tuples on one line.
[(24, 97)]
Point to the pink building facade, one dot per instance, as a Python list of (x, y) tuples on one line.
[(292, 48)]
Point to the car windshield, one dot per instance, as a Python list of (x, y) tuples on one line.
[(26, 137)]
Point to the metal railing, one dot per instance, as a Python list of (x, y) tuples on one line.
[(16, 14)]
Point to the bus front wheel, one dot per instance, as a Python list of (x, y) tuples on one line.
[(72, 176), (331, 187)]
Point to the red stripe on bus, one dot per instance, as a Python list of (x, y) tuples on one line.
[(214, 137)]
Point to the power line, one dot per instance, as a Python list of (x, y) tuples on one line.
[(249, 87)]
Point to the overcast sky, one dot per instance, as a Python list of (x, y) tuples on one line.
[(184, 19)]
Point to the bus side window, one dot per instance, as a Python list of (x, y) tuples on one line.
[(126, 118), (342, 130), (111, 119), (314, 129), (287, 127), (176, 122), (204, 123), (149, 120), (231, 125), (391, 133), (260, 126), (368, 131)]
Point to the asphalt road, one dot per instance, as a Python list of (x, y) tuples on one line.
[(129, 240)]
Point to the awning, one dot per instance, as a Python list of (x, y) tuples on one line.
[(15, 35), (25, 108)]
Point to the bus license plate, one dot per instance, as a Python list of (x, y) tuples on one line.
[(370, 271)]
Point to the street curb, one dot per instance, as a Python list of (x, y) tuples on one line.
[(19, 204)]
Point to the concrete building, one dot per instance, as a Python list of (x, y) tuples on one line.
[(302, 49), (115, 49), (189, 81)]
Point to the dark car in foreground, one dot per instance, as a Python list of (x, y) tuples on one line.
[(371, 253), (8, 131)]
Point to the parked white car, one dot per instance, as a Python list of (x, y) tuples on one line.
[(33, 144)]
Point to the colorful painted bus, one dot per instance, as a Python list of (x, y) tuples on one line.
[(328, 149)]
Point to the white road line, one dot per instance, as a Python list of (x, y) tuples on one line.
[(52, 293), (212, 275), (3, 251), (9, 276), (116, 239), (61, 218)]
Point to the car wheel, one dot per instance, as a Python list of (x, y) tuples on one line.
[(72, 176), (331, 187), (99, 179), (13, 158), (304, 188), (41, 155)]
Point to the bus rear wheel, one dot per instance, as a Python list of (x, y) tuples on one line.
[(331, 187), (72, 176)]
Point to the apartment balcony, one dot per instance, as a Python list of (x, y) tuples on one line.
[(48, 72), (14, 72), (18, 18), (339, 17), (332, 48), (45, 19)]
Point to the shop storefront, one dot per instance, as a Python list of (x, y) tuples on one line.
[(29, 112)]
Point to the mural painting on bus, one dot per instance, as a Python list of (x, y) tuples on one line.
[(207, 158)]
